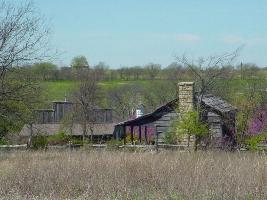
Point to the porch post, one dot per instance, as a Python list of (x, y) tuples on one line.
[(146, 134), (140, 134), (132, 128), (124, 135)]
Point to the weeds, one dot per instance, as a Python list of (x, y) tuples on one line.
[(132, 175)]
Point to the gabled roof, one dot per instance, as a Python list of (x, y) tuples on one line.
[(150, 117), (214, 103), (217, 104)]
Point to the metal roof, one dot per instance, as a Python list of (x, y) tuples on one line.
[(51, 129)]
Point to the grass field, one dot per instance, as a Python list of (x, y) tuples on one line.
[(133, 175), (56, 90)]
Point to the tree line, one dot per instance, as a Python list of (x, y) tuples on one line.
[(174, 71)]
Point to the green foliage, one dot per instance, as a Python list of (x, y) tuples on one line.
[(242, 120), (3, 141), (171, 136), (45, 70), (56, 90), (39, 142), (79, 62), (20, 95), (190, 124), (253, 141), (114, 142), (59, 138), (247, 102), (128, 138), (74, 140)]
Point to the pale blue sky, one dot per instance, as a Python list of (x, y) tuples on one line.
[(136, 32)]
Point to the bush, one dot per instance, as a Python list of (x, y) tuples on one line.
[(3, 141), (135, 139), (170, 137), (59, 138), (39, 142), (253, 141), (76, 141), (114, 142)]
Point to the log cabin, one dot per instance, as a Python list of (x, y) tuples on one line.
[(152, 127)]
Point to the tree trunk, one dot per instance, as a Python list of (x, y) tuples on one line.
[(31, 134), (195, 143), (84, 132), (92, 133)]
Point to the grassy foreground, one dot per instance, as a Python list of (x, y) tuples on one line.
[(126, 175)]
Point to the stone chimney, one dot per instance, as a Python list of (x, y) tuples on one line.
[(186, 96), (186, 103)]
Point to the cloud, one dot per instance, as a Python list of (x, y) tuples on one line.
[(187, 37), (237, 39), (257, 40), (233, 39)]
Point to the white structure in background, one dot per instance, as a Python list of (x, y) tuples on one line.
[(139, 111)]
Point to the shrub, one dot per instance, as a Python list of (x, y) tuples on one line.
[(171, 137), (3, 141), (253, 141), (59, 138), (76, 141), (114, 142), (135, 139), (39, 142)]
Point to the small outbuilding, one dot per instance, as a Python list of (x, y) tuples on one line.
[(51, 121)]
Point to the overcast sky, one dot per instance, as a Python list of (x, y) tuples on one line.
[(136, 32)]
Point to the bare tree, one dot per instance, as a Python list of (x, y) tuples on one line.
[(137, 72), (158, 93), (152, 70), (174, 71), (101, 70), (124, 99), (207, 70), (86, 99), (23, 39), (23, 35)]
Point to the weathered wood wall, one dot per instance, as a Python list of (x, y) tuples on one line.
[(162, 125), (44, 116)]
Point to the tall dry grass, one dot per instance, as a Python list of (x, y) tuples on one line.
[(132, 175)]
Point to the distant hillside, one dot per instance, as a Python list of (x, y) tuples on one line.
[(227, 89), (56, 90)]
